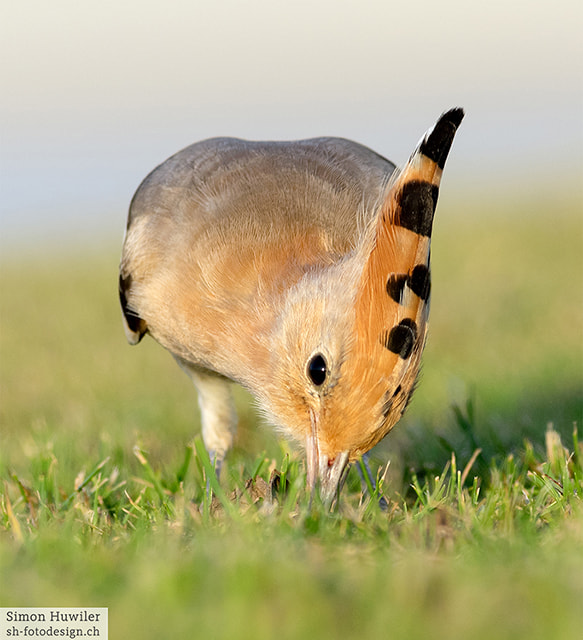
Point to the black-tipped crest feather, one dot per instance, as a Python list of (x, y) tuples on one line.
[(437, 143)]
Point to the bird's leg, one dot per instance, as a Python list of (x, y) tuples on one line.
[(371, 479), (217, 412), (218, 419)]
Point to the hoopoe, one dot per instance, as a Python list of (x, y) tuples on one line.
[(299, 270)]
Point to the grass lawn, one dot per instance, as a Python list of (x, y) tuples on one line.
[(102, 500)]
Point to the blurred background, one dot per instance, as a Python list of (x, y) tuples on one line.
[(95, 95)]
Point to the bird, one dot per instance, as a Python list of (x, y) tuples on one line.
[(297, 269)]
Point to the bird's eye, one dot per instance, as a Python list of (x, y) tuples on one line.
[(317, 369)]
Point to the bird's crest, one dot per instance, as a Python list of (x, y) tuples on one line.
[(392, 301)]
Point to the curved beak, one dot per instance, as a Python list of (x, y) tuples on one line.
[(328, 473)]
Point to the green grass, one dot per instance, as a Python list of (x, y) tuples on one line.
[(103, 499)]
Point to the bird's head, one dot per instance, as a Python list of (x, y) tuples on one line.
[(347, 346)]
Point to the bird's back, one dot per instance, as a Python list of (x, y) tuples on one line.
[(245, 219), (226, 183)]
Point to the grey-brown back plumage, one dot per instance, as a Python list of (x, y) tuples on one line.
[(223, 191)]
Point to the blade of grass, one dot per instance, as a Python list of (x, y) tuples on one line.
[(92, 474), (211, 478), (14, 524)]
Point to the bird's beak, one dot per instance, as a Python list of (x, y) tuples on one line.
[(330, 474)]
